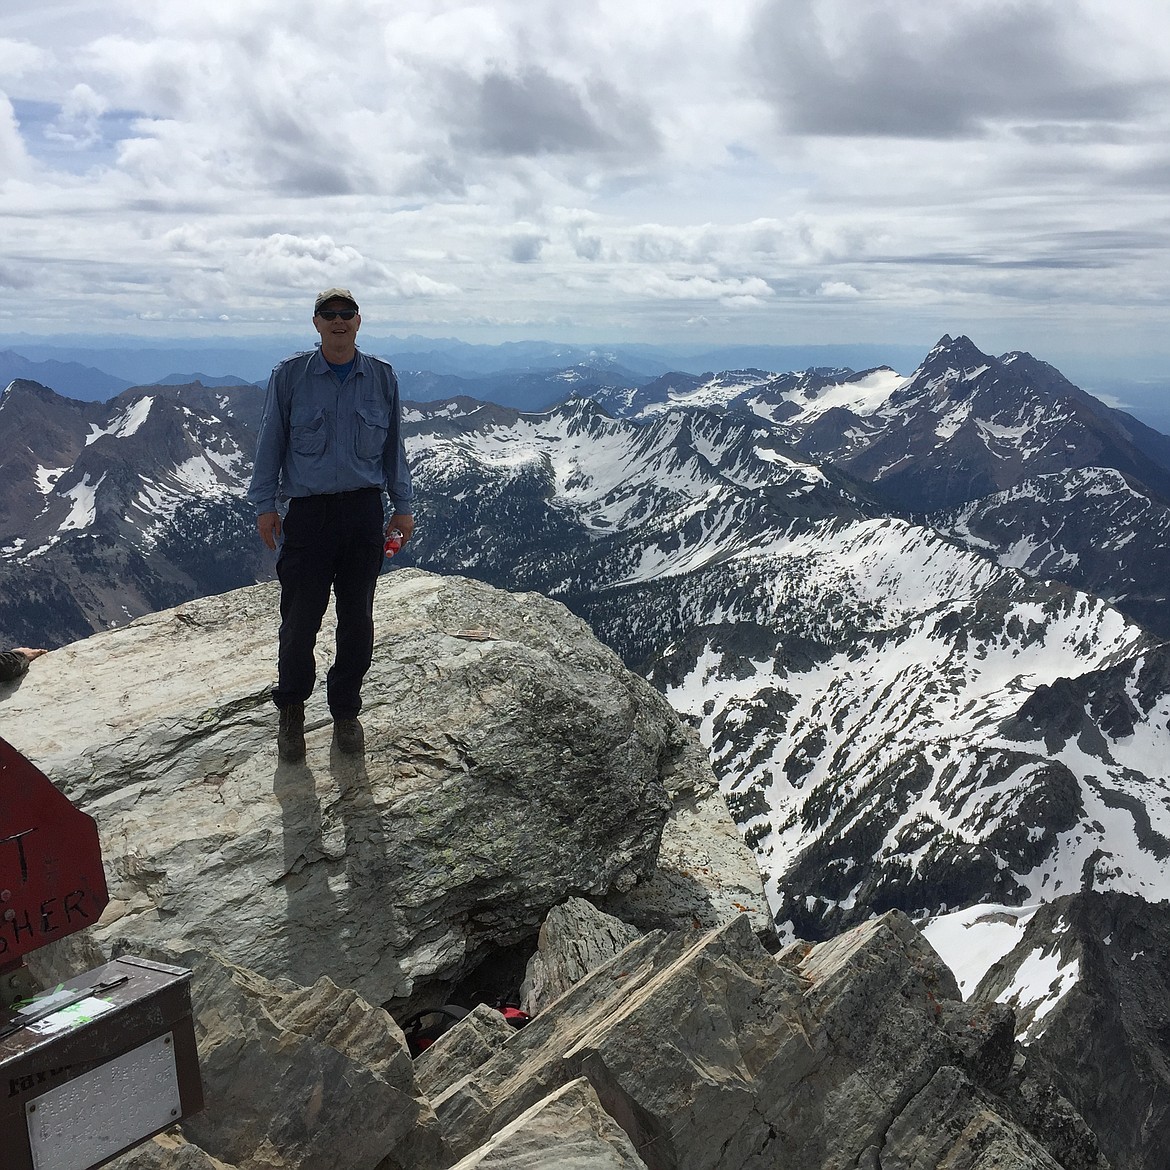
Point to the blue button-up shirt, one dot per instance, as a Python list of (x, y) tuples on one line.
[(319, 435)]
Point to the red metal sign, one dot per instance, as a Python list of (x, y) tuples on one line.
[(51, 877)]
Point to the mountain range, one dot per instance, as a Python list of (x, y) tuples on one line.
[(918, 621), (136, 360), (112, 510), (95, 368)]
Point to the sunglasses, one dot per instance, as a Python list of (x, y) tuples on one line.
[(333, 314)]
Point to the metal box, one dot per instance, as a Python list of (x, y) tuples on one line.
[(104, 1062)]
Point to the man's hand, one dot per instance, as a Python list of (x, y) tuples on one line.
[(29, 653), (404, 524), (268, 525)]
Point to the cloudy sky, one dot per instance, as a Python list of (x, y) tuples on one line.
[(772, 171)]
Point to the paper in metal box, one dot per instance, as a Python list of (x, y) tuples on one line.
[(97, 1066)]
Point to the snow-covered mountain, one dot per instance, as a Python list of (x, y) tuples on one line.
[(610, 503), (888, 709), (964, 425), (1003, 454), (1094, 528), (901, 715), (916, 758), (116, 509)]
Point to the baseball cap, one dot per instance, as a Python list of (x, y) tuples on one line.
[(334, 294)]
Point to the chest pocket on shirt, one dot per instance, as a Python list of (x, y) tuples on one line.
[(373, 425), (308, 438)]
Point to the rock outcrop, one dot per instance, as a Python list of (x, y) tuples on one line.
[(568, 1130), (293, 1074), (704, 875), (1090, 981), (469, 1043), (575, 939), (510, 760), (685, 1051), (712, 1053), (169, 1151)]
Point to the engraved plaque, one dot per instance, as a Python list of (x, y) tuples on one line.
[(102, 1112)]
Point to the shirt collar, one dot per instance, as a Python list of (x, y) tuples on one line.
[(318, 364)]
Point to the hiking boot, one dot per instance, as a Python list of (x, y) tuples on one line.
[(349, 736), (290, 738)]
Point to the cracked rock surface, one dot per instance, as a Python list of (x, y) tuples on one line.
[(714, 1055)]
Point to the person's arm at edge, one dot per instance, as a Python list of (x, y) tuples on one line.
[(14, 663), (399, 486), (270, 448)]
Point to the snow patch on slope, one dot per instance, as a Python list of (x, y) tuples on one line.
[(126, 424), (973, 940), (84, 510), (861, 396)]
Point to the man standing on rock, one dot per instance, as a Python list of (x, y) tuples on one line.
[(330, 441)]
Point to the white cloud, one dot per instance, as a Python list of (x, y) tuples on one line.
[(409, 285), (13, 156), (22, 57), (749, 291), (477, 164), (838, 288), (78, 124), (308, 262)]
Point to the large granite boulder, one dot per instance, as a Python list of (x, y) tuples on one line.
[(510, 760)]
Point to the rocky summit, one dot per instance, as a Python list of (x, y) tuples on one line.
[(510, 759), (528, 815)]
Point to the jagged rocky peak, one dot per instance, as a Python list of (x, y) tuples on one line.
[(1017, 383), (949, 370), (1090, 982), (959, 353), (955, 366), (584, 415)]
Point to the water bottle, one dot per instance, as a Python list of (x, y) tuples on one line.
[(393, 542)]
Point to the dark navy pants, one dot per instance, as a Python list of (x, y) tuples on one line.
[(329, 543)]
